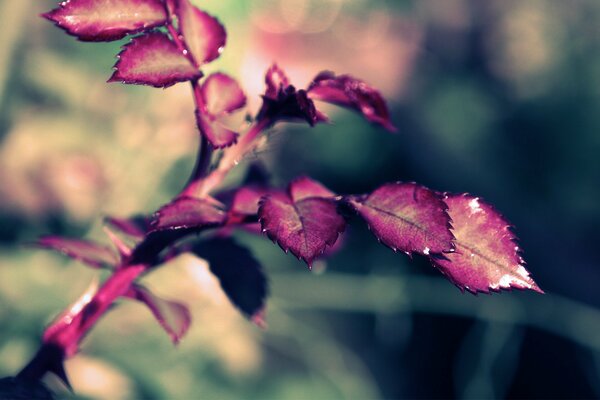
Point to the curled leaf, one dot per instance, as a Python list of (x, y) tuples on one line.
[(106, 20), (204, 35), (174, 317), (90, 253), (347, 91), (188, 212), (282, 102), (407, 217), (239, 273), (153, 59), (303, 220), (486, 257)]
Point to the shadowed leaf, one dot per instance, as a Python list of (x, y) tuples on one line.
[(486, 257), (303, 220), (106, 20), (347, 91), (154, 60), (174, 317), (204, 35), (406, 217), (239, 273), (90, 253), (188, 212)]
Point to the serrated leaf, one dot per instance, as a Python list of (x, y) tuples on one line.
[(302, 220), (204, 35), (239, 273), (222, 94), (407, 217), (174, 317), (486, 257), (106, 20), (153, 59), (347, 91), (90, 253), (188, 212)]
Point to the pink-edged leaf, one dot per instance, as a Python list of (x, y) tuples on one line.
[(90, 253), (106, 20), (204, 35), (153, 59), (217, 134), (302, 223), (136, 226), (174, 317), (222, 94), (347, 91), (240, 274), (407, 217), (188, 212), (486, 257)]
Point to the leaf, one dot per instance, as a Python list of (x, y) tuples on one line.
[(282, 102), (486, 257), (217, 134), (153, 59), (188, 212), (106, 20), (222, 94), (246, 199), (347, 91), (136, 226), (174, 317), (239, 273), (304, 220), (90, 253), (407, 217), (204, 35)]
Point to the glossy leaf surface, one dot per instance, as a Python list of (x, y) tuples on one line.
[(174, 317), (89, 253), (486, 257), (303, 220), (204, 35), (240, 274), (188, 212), (347, 91), (106, 20), (154, 60), (407, 217)]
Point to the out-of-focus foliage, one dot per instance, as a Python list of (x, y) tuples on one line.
[(496, 97)]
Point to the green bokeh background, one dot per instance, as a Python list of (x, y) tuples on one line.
[(498, 98)]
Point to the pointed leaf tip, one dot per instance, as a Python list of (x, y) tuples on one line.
[(153, 59), (89, 253), (486, 257), (107, 20), (407, 217), (303, 220), (204, 35)]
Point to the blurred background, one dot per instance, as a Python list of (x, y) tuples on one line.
[(499, 98)]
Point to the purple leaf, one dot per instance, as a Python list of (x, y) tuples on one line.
[(239, 273), (174, 317), (106, 20), (188, 212), (407, 217), (135, 227), (221, 95), (486, 257), (303, 220), (347, 91), (282, 102), (246, 199), (204, 35), (154, 60), (90, 253)]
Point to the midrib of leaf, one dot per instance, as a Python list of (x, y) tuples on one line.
[(479, 253), (407, 221)]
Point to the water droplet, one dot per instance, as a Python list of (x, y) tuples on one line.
[(426, 251)]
